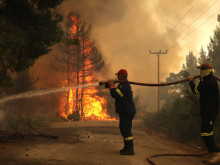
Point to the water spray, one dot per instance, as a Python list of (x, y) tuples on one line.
[(42, 92)]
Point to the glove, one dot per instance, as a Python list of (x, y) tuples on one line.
[(106, 85), (191, 78), (111, 84)]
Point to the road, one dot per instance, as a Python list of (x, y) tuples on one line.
[(93, 143)]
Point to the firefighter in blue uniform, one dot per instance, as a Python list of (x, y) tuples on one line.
[(209, 107), (125, 107)]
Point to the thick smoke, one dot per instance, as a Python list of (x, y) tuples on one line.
[(1, 115), (125, 31)]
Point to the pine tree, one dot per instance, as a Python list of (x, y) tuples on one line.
[(203, 57), (80, 60), (214, 48), (191, 64), (28, 29), (180, 90)]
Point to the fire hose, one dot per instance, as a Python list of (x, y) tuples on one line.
[(194, 155), (161, 84)]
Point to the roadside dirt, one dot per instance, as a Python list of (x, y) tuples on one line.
[(93, 143)]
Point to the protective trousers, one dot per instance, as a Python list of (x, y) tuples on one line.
[(125, 125), (207, 123)]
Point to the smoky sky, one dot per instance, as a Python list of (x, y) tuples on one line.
[(124, 31)]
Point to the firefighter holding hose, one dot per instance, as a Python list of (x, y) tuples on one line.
[(208, 91), (125, 107)]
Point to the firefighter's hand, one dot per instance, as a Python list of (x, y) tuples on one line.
[(106, 85), (111, 84), (191, 78)]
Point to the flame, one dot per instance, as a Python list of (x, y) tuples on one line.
[(93, 109), (89, 106)]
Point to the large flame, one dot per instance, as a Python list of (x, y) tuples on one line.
[(94, 106), (89, 106)]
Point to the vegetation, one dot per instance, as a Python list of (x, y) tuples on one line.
[(28, 30), (179, 117), (20, 116)]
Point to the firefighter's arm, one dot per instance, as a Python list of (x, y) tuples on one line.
[(195, 89), (111, 84), (117, 92)]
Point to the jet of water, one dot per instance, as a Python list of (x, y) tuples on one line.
[(42, 92)]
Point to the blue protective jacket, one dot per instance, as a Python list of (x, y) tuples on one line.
[(209, 95), (123, 98)]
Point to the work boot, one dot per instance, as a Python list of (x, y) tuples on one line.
[(127, 152), (123, 147), (129, 148), (214, 160)]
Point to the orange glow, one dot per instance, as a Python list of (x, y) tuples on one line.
[(89, 106)]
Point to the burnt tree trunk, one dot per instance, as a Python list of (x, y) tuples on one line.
[(78, 64), (83, 73)]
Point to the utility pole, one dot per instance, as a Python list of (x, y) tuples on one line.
[(158, 75)]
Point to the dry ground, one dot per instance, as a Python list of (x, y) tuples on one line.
[(93, 143)]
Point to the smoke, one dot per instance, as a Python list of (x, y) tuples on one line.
[(1, 115), (125, 31)]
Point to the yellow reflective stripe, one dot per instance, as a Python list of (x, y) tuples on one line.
[(196, 90), (119, 92), (213, 71), (129, 138), (207, 134)]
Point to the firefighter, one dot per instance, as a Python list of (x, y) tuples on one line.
[(208, 91), (125, 107)]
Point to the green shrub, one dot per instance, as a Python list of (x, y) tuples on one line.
[(178, 121)]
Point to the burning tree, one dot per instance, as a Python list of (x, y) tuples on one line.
[(80, 60)]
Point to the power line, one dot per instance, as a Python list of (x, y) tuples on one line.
[(202, 23), (175, 25), (196, 27), (158, 76), (196, 19)]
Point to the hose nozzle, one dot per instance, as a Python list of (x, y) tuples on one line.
[(101, 83), (104, 83)]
